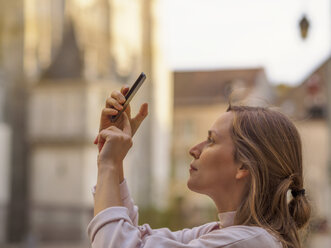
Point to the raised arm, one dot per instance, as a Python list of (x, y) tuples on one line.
[(116, 144), (114, 103)]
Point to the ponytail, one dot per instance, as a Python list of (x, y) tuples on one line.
[(299, 208)]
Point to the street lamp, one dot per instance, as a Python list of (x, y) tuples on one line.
[(304, 26)]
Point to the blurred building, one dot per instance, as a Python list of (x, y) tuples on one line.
[(13, 179), (306, 104), (199, 98), (5, 152), (74, 53), (60, 134)]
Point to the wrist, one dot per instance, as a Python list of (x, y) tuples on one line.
[(113, 168), (109, 168), (106, 177)]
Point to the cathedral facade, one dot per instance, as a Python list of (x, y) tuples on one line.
[(74, 54)]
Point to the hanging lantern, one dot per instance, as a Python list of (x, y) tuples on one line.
[(304, 26)]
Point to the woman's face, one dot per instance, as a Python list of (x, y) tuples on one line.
[(213, 170)]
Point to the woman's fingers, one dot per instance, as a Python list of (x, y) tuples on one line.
[(101, 141), (103, 134), (114, 143), (113, 103), (138, 119), (115, 131), (126, 125), (109, 111), (118, 96), (124, 90), (117, 99)]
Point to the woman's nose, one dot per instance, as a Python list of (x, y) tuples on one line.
[(194, 152)]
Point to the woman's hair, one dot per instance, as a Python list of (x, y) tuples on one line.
[(268, 144)]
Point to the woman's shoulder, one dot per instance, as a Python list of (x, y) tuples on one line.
[(248, 236)]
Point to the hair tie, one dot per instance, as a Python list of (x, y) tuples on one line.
[(295, 193)]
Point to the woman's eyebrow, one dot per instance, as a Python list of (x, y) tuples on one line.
[(212, 131)]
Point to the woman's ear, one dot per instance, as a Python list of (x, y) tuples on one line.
[(242, 172)]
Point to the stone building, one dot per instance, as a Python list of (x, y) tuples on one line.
[(5, 151), (59, 131), (307, 105), (13, 159), (74, 54)]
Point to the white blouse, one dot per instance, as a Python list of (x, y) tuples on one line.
[(118, 227)]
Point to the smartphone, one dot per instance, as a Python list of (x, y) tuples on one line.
[(129, 95)]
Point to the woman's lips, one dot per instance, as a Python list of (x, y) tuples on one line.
[(192, 168)]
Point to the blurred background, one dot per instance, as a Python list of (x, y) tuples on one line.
[(60, 59)]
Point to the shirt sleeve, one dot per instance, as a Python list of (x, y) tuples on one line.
[(112, 227), (127, 202)]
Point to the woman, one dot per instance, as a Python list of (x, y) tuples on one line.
[(250, 161)]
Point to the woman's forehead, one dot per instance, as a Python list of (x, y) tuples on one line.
[(223, 123)]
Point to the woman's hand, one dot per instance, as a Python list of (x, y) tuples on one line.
[(114, 103), (116, 144)]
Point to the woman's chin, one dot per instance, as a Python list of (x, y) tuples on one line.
[(195, 186), (191, 185)]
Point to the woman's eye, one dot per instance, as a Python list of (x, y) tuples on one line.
[(210, 140)]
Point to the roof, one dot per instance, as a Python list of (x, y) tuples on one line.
[(318, 69), (67, 63), (299, 102), (206, 87)]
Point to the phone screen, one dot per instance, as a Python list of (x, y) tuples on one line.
[(130, 95)]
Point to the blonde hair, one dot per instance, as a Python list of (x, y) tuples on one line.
[(269, 145)]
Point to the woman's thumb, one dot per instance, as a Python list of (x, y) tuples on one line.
[(126, 124), (143, 112)]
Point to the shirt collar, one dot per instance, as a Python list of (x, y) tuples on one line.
[(226, 219)]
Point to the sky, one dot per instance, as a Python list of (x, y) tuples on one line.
[(219, 34)]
